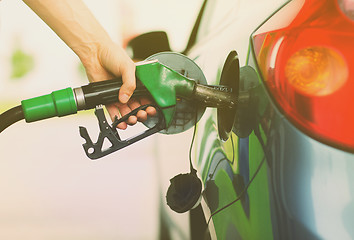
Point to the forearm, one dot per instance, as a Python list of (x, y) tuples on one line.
[(73, 22)]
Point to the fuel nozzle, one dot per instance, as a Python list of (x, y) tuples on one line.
[(175, 84)]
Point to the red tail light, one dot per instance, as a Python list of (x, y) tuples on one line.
[(307, 63)]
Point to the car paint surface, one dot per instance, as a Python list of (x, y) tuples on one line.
[(298, 187)]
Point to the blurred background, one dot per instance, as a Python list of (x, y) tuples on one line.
[(49, 188)]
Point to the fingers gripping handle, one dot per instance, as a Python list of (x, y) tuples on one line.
[(110, 133), (105, 92)]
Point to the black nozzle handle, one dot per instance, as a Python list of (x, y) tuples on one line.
[(104, 92), (95, 150)]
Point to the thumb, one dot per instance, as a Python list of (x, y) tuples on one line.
[(114, 59), (129, 82)]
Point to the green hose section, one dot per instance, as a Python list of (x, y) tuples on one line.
[(58, 103)]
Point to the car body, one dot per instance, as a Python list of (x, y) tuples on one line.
[(279, 167)]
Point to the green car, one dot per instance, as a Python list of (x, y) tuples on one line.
[(279, 166)]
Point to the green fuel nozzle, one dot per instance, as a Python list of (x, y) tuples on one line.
[(172, 93)]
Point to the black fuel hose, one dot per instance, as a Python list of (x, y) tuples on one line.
[(11, 116)]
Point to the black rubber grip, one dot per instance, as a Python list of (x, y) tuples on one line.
[(106, 92), (11, 116)]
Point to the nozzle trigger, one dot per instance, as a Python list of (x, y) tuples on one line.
[(110, 133)]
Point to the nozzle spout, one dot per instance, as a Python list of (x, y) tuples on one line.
[(215, 96)]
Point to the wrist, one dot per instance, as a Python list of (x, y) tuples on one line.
[(90, 57), (88, 52)]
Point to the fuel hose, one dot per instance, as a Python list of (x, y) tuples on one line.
[(11, 116)]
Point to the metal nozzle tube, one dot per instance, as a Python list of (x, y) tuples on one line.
[(215, 96)]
